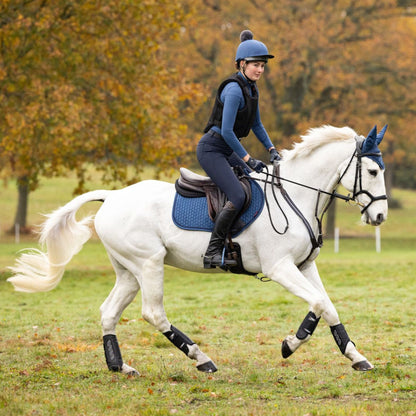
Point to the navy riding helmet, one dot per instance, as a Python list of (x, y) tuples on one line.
[(250, 49)]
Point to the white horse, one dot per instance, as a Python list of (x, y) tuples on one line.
[(136, 228)]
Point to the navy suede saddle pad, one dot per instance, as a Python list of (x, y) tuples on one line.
[(192, 213)]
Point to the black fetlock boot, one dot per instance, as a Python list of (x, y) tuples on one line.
[(223, 222)]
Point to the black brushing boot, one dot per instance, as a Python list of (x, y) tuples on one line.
[(223, 222)]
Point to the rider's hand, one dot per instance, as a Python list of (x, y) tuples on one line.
[(256, 165), (274, 155)]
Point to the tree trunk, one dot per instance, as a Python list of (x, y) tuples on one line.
[(23, 198), (389, 181), (330, 220)]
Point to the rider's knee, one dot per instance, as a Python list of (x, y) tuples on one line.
[(239, 200)]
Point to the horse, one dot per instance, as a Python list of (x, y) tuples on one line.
[(135, 226)]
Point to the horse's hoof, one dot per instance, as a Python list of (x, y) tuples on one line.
[(133, 373), (208, 367), (362, 366), (286, 351), (129, 371)]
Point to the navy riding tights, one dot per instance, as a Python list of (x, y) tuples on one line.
[(215, 157)]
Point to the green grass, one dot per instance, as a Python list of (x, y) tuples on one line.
[(51, 357), (52, 361), (51, 194)]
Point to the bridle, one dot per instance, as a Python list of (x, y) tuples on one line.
[(274, 179), (358, 186)]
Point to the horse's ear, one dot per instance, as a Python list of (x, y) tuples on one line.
[(370, 141), (381, 134), (373, 134), (370, 145)]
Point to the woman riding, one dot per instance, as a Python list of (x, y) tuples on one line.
[(235, 113)]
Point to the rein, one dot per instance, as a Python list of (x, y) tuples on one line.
[(315, 241), (275, 182)]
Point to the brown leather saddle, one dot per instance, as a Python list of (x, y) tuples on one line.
[(192, 185)]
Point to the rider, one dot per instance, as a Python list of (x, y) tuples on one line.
[(234, 114)]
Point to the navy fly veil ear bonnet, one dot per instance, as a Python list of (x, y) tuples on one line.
[(370, 145)]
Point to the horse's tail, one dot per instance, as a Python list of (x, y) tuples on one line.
[(64, 236)]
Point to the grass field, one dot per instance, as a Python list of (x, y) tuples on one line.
[(52, 362)]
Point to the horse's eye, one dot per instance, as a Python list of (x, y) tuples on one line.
[(372, 172)]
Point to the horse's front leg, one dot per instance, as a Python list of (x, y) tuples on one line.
[(288, 275), (292, 342), (329, 313), (346, 346)]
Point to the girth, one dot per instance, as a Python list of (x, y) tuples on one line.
[(191, 185)]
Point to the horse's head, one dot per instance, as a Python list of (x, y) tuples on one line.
[(366, 181)]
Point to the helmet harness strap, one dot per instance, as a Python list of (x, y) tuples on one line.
[(242, 68)]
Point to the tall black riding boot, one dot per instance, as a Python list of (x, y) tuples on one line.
[(223, 222)]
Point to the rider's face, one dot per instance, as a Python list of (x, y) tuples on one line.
[(254, 70)]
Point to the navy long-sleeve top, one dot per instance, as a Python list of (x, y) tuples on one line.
[(233, 100)]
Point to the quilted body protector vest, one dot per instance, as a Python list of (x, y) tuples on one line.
[(245, 117)]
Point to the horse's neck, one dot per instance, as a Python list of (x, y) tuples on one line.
[(319, 170)]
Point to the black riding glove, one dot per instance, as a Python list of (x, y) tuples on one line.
[(274, 155), (256, 165)]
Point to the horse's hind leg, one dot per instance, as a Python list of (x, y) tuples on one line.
[(121, 296), (154, 313)]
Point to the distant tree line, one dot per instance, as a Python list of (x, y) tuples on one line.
[(118, 83)]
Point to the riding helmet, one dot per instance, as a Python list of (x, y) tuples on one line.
[(250, 49)]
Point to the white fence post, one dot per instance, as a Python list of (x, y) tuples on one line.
[(17, 233), (336, 240), (378, 240)]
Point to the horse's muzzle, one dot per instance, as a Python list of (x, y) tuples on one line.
[(379, 219)]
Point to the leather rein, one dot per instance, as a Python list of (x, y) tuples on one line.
[(276, 182)]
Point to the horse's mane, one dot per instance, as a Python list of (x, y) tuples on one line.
[(317, 137)]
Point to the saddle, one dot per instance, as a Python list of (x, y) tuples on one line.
[(191, 185), (198, 200)]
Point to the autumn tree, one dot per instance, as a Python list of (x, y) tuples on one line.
[(343, 62), (89, 82)]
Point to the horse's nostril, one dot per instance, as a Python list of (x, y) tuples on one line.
[(380, 218)]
